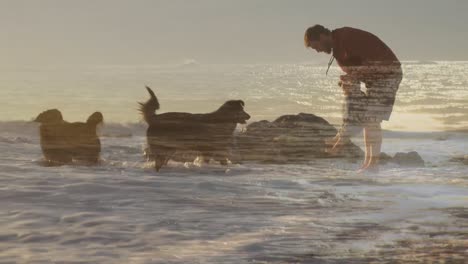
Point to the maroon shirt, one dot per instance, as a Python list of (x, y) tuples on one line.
[(363, 54)]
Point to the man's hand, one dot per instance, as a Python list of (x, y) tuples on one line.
[(348, 79)]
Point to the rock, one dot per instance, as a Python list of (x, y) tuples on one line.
[(465, 160), (290, 138), (411, 159), (384, 158), (462, 158)]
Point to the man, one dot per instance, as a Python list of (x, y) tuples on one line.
[(367, 59)]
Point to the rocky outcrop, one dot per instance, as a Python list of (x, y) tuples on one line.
[(409, 159), (290, 138), (462, 158)]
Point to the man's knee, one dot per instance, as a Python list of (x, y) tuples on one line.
[(373, 125), (373, 133)]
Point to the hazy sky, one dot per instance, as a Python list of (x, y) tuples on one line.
[(219, 31)]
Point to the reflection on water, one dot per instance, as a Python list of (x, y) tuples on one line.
[(436, 91)]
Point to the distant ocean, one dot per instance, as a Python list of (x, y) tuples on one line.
[(432, 96), (320, 211)]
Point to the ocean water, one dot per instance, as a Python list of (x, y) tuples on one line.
[(321, 211)]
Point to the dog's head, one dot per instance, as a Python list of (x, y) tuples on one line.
[(234, 110), (50, 116)]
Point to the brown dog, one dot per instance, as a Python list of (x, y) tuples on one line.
[(62, 142), (209, 134)]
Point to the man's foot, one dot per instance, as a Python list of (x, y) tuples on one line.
[(370, 167), (365, 163)]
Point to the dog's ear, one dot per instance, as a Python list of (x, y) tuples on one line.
[(241, 103)]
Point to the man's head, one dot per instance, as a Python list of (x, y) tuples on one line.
[(318, 38)]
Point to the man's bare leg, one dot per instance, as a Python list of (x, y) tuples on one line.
[(367, 148), (376, 146), (373, 139)]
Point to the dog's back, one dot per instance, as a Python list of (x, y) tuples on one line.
[(176, 131), (187, 130), (61, 141)]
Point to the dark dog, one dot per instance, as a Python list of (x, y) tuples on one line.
[(62, 142), (211, 135)]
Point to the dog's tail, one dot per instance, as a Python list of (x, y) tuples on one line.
[(149, 108), (95, 119)]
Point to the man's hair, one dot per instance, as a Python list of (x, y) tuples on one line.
[(313, 33)]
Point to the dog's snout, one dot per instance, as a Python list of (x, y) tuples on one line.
[(243, 117)]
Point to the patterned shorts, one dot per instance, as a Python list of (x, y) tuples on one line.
[(381, 93)]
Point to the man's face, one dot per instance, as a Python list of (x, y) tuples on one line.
[(321, 45)]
